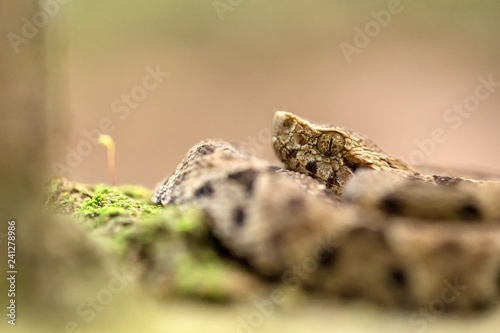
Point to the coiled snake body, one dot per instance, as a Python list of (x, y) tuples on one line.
[(346, 219)]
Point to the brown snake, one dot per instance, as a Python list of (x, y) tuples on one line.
[(346, 219)]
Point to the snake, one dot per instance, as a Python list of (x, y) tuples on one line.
[(343, 219)]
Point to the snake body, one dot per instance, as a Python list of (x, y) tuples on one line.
[(346, 219)]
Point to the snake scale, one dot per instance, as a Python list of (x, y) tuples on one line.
[(346, 219)]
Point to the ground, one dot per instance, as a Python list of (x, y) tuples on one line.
[(185, 284)]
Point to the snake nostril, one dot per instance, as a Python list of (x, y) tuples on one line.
[(288, 123)]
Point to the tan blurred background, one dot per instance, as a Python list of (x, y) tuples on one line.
[(231, 64)]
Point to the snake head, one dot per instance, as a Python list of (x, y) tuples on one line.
[(329, 154)]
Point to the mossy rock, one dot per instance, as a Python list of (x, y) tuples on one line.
[(169, 249)]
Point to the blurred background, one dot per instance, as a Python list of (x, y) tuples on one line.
[(161, 76)]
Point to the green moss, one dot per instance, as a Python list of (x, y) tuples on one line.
[(68, 200), (101, 205), (107, 202), (171, 246), (136, 192), (65, 197), (202, 279), (186, 223)]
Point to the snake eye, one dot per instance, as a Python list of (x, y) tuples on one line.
[(330, 143)]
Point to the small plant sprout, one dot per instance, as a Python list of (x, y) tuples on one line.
[(108, 142)]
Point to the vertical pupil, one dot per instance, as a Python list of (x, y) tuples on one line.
[(330, 145)]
